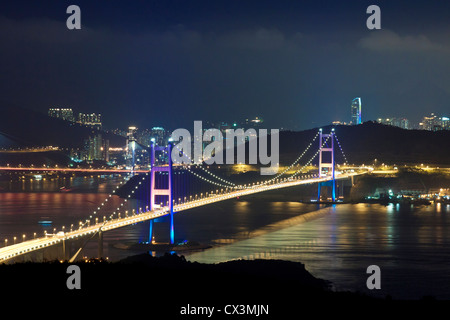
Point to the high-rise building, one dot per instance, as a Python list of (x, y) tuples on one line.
[(445, 123), (429, 123), (61, 113), (90, 119), (435, 123), (106, 150), (396, 122), (356, 111), (131, 146), (93, 147), (159, 134), (131, 133), (404, 123)]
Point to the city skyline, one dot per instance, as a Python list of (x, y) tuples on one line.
[(205, 61), (431, 122)]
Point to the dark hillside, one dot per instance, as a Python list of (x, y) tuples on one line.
[(370, 141), (22, 127)]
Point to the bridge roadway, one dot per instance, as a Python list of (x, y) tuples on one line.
[(85, 170), (28, 246)]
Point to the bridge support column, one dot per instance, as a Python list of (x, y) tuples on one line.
[(64, 249), (100, 244), (150, 232), (341, 187), (319, 188)]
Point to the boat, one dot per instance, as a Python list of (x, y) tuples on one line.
[(45, 221), (64, 189)]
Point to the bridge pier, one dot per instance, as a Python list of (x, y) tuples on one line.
[(150, 231), (100, 244), (340, 189), (64, 245), (331, 184)]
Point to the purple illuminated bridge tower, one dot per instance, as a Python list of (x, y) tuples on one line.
[(326, 163), (167, 192)]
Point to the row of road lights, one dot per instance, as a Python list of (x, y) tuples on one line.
[(191, 198)]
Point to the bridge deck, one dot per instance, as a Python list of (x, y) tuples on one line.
[(28, 246)]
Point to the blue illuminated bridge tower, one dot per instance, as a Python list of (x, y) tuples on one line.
[(326, 163)]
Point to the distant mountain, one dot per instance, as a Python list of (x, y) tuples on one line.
[(22, 127), (361, 144), (369, 141)]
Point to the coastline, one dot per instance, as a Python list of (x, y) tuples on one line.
[(167, 284)]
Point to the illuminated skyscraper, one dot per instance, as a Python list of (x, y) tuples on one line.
[(93, 147), (356, 111), (159, 134), (396, 122), (90, 119), (435, 123), (445, 123), (61, 113)]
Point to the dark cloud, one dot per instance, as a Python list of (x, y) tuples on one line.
[(294, 71), (389, 41)]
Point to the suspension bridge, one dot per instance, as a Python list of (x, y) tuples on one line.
[(162, 204)]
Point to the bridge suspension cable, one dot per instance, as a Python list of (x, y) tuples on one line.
[(206, 179), (227, 185), (293, 163), (111, 216), (187, 167), (100, 206), (95, 213), (309, 162), (340, 148), (312, 158)]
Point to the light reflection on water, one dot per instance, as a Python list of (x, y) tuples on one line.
[(411, 244)]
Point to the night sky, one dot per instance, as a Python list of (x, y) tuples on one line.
[(296, 64)]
